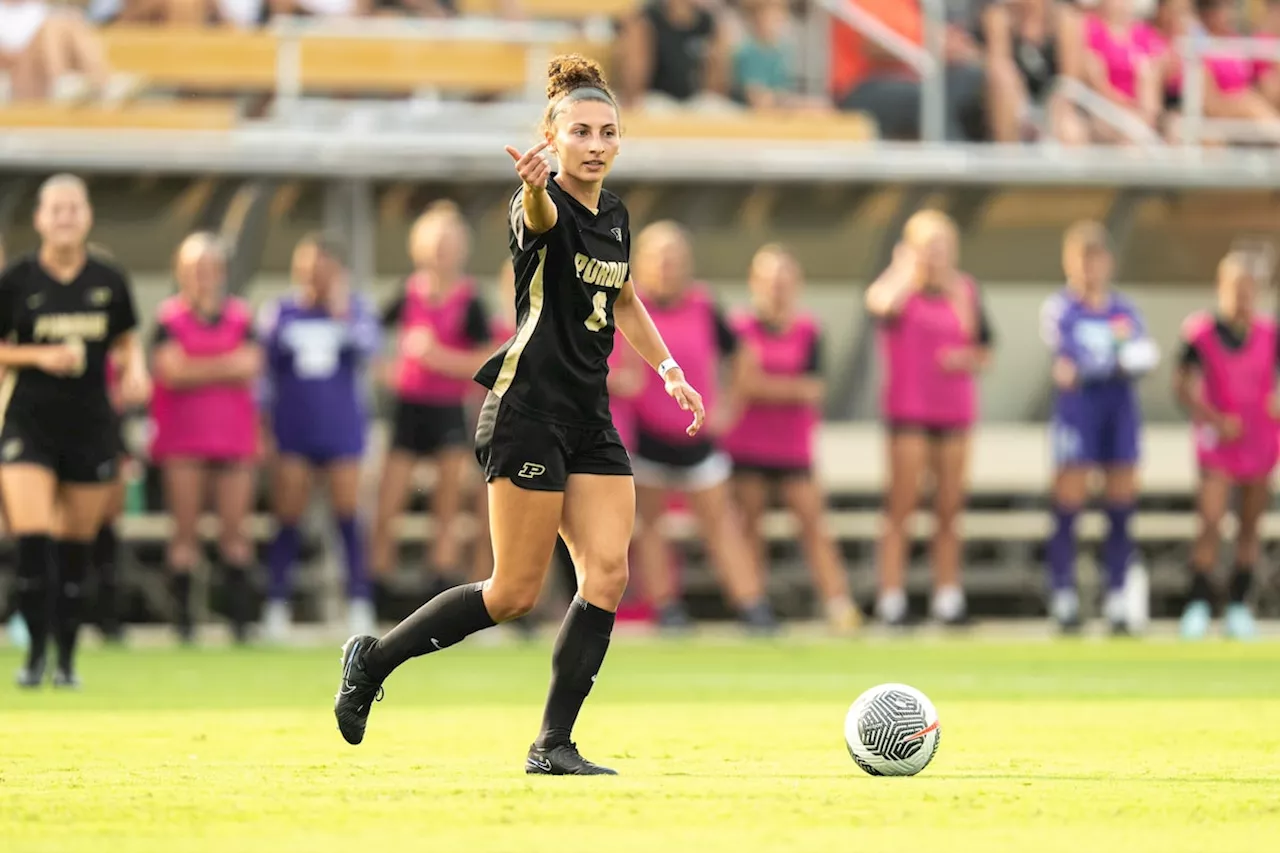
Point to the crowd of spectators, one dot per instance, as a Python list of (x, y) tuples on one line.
[(1072, 71)]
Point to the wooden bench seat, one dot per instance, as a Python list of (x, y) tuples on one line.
[(193, 59), (838, 127), (554, 10), (206, 115)]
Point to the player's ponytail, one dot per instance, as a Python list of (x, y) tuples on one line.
[(572, 78)]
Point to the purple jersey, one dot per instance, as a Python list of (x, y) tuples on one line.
[(1097, 422), (314, 387)]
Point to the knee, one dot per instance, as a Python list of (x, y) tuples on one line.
[(510, 600), (184, 553), (234, 547), (606, 578)]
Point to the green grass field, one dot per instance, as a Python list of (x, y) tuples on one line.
[(1079, 746)]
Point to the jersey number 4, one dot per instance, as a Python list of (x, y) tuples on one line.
[(598, 319)]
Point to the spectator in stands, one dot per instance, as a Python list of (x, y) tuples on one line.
[(205, 435), (674, 54), (774, 443), (1100, 350), (1120, 66), (318, 341), (666, 459), (1266, 72), (1229, 90), (1226, 381), (41, 44), (934, 339), (1029, 45), (868, 78), (321, 8), (765, 73), (443, 339)]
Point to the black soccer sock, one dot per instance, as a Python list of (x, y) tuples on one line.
[(445, 620), (1201, 589), (35, 585), (579, 652), (1241, 583), (68, 609), (180, 584), (239, 597), (105, 550)]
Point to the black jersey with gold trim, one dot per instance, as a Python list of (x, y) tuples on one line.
[(90, 312), (567, 280)]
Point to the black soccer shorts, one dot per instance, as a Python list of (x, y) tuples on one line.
[(424, 429), (91, 459), (540, 456)]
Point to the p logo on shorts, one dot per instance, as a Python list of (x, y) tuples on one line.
[(532, 469)]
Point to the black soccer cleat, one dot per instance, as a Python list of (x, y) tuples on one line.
[(357, 691), (31, 676), (562, 760), (65, 678)]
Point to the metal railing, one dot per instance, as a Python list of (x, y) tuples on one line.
[(1196, 128)]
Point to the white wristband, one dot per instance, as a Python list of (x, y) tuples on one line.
[(667, 365)]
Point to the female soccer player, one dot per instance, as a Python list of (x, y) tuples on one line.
[(934, 338), (63, 312), (1226, 381), (551, 457), (773, 443), (666, 458), (205, 423), (317, 341), (1100, 349), (443, 339)]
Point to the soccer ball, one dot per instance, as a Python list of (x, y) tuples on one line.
[(892, 730)]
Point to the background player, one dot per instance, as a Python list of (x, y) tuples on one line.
[(667, 459), (1226, 381), (774, 442), (1100, 349), (934, 338), (205, 424), (66, 312), (317, 342), (443, 338), (552, 460)]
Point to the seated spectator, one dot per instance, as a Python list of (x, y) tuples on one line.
[(321, 8), (866, 78), (1229, 91), (1266, 72), (765, 76), (40, 44), (674, 53), (1119, 65), (1029, 44)]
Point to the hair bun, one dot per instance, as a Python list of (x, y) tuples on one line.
[(573, 71)]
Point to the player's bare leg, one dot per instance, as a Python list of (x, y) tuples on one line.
[(523, 527), (908, 453), (186, 483), (1215, 493), (1237, 619), (81, 510), (950, 462), (291, 480), (731, 560), (830, 575), (233, 502), (1070, 488), (653, 563), (596, 525), (29, 495)]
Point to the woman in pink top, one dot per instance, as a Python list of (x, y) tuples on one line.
[(665, 458), (934, 338), (1226, 381), (443, 338), (1229, 82), (1118, 64), (205, 423), (774, 443)]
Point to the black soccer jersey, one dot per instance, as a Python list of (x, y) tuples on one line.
[(567, 281), (92, 310)]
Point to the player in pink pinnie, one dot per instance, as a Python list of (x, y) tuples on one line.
[(1226, 381)]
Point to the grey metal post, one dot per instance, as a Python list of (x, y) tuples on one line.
[(1192, 92), (362, 232), (933, 84)]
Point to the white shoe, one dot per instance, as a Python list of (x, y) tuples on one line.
[(276, 622), (361, 617), (1137, 597)]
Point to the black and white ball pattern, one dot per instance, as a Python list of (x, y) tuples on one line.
[(892, 730)]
